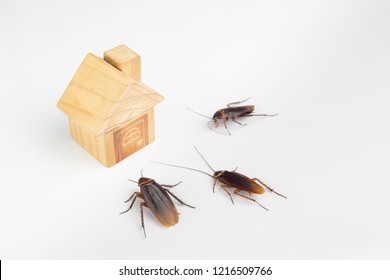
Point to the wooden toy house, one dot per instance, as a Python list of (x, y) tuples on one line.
[(110, 111)]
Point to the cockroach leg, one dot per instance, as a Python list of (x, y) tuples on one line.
[(143, 204), (171, 186), (178, 199), (158, 199), (135, 195), (270, 189), (237, 102), (132, 196), (233, 119), (259, 115), (237, 192), (215, 183), (224, 123), (224, 188)]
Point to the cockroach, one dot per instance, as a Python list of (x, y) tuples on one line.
[(235, 180), (158, 199), (232, 112)]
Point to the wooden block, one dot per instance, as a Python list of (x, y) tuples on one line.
[(111, 112), (125, 60), (95, 145), (93, 92)]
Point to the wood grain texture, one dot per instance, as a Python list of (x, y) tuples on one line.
[(93, 92), (137, 99), (131, 137), (95, 145), (102, 98), (109, 106), (126, 60)]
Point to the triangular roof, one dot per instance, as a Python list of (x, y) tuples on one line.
[(101, 97)]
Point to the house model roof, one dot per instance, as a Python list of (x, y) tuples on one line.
[(101, 97)]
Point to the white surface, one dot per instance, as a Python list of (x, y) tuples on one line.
[(322, 65)]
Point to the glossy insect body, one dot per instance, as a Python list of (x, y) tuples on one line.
[(236, 180), (233, 113), (158, 199), (160, 203), (241, 183)]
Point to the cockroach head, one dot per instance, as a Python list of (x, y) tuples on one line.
[(220, 114), (143, 181), (218, 173)]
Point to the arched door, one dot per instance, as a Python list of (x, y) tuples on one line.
[(131, 137)]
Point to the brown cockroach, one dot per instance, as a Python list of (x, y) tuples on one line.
[(232, 112), (158, 199), (233, 179)]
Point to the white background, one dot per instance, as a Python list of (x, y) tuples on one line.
[(324, 66)]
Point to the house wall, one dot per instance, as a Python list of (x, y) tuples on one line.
[(112, 155), (102, 147), (110, 148), (151, 125), (93, 144)]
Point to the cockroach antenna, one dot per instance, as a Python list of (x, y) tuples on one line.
[(184, 167), (199, 114), (233, 179), (209, 126), (204, 159), (210, 122), (132, 181)]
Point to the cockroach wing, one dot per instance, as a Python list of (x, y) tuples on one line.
[(159, 202), (240, 181), (238, 111)]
